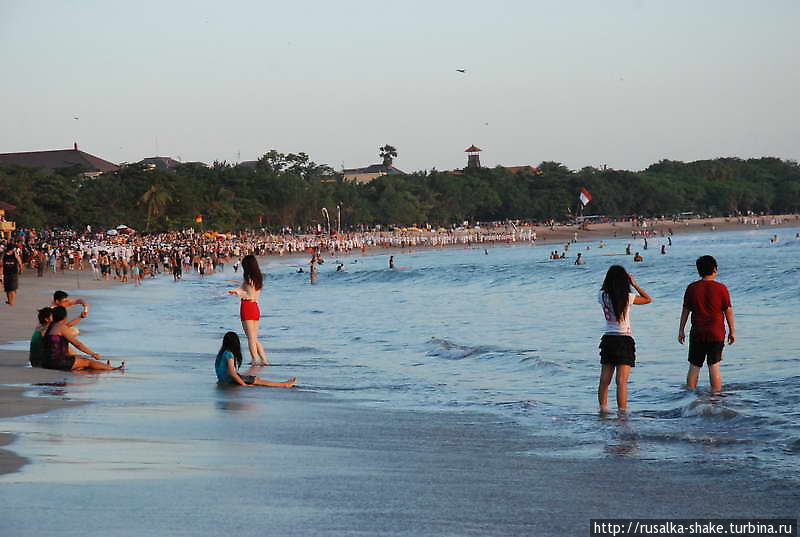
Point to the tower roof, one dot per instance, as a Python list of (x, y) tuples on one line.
[(472, 149)]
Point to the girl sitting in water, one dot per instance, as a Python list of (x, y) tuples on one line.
[(229, 358), (617, 348), (57, 338)]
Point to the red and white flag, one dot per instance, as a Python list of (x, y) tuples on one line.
[(585, 197)]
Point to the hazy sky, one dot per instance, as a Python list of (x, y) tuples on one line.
[(624, 83)]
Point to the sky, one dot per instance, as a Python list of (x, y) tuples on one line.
[(623, 83)]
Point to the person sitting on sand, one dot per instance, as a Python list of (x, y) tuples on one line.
[(61, 298), (638, 258), (57, 338), (228, 361), (37, 351)]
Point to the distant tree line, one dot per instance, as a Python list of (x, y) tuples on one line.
[(290, 190)]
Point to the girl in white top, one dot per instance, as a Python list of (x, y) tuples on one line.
[(617, 348)]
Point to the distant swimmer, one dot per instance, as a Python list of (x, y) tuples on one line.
[(300, 270), (663, 249), (391, 261), (617, 347), (485, 251), (339, 267), (313, 270), (669, 240), (580, 260), (628, 250), (228, 361), (637, 258)]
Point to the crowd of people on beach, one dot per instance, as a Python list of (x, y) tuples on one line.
[(54, 343)]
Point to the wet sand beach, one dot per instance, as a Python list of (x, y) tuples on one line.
[(150, 457), (18, 378)]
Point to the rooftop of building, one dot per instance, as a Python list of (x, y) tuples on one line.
[(59, 159)]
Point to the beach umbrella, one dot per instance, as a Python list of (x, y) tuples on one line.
[(111, 232), (122, 226)]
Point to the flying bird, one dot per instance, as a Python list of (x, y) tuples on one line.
[(461, 70), (75, 118)]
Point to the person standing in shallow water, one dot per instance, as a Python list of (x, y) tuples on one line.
[(249, 293), (710, 305), (617, 347)]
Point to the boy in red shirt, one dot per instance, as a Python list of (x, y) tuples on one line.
[(709, 303)]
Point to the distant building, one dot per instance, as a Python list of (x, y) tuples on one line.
[(161, 163), (519, 169), (473, 158), (370, 173), (60, 159), (166, 163), (474, 162), (6, 226)]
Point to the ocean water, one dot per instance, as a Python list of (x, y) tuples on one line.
[(507, 332)]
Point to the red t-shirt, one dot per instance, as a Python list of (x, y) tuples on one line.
[(707, 300)]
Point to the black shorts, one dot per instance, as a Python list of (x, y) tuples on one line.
[(700, 351), (62, 364), (617, 350), (10, 282)]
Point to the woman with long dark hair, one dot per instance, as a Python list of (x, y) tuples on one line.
[(617, 348), (249, 293), (229, 358), (57, 338)]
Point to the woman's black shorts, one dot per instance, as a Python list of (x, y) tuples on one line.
[(64, 363), (617, 350)]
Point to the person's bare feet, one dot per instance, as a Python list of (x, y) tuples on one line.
[(291, 382)]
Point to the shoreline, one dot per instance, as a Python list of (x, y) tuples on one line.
[(560, 235), (33, 293), (313, 463)]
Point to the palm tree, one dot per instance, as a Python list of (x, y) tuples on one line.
[(155, 199), (386, 153)]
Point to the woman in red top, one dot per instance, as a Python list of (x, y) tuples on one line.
[(250, 292)]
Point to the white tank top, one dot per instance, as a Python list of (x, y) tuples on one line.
[(613, 325)]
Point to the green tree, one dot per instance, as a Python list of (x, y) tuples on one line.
[(387, 153), (155, 201)]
